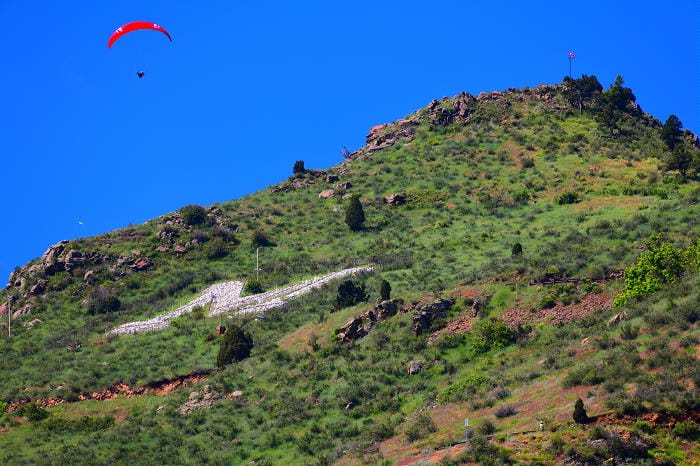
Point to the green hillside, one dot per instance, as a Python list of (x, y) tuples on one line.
[(541, 246)]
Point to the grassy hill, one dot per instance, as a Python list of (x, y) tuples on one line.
[(491, 202)]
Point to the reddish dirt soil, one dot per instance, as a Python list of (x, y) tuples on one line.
[(159, 388), (560, 313)]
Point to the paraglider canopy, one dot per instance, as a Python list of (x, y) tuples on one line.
[(134, 26)]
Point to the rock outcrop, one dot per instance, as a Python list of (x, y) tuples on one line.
[(425, 315), (360, 326), (200, 399)]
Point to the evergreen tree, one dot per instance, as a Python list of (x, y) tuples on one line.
[(678, 159), (516, 250), (582, 90), (671, 132), (355, 215), (299, 167), (350, 294), (580, 416), (384, 290), (235, 346)]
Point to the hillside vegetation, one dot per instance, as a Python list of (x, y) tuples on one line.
[(539, 246)]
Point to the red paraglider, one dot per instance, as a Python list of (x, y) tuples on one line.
[(134, 26)]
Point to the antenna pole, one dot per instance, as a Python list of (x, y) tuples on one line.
[(257, 264), (9, 315)]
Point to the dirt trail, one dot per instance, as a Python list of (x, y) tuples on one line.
[(226, 297)]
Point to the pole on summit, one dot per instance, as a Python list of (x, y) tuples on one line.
[(571, 56)]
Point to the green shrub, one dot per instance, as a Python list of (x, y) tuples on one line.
[(261, 239), (103, 301), (216, 249), (490, 334), (568, 198), (505, 411), (32, 412), (253, 287), (420, 427), (193, 215), (662, 263), (547, 302), (689, 430), (485, 427)]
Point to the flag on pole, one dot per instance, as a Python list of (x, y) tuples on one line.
[(571, 54)]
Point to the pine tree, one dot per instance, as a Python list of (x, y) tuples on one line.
[(384, 290), (355, 215), (580, 416), (235, 346), (671, 132), (516, 250), (298, 167)]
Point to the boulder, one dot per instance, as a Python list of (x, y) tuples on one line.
[(141, 264), (326, 194), (414, 367), (395, 199), (200, 399)]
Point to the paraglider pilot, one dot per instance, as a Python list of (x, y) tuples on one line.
[(140, 74)]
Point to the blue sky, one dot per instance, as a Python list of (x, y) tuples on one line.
[(247, 88)]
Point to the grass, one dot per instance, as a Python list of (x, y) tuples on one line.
[(309, 406)]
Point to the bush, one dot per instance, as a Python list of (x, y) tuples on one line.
[(547, 302), (485, 427), (505, 411), (491, 334), (216, 249), (420, 427), (689, 430), (253, 287), (193, 214), (102, 301), (32, 412), (568, 198), (662, 263), (235, 346), (260, 239)]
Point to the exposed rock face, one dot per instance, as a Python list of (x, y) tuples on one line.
[(425, 314), (203, 398), (50, 259), (325, 194), (358, 327)]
